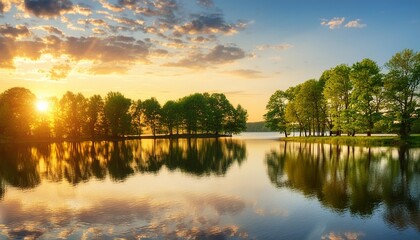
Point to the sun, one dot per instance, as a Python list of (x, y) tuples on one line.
[(42, 105)]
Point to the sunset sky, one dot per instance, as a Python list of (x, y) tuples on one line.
[(171, 48)]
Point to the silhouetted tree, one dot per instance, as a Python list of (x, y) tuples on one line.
[(95, 116), (116, 113), (151, 108), (17, 114)]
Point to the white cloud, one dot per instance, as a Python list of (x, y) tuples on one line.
[(333, 23), (355, 24)]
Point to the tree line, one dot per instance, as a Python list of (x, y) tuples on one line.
[(352, 99), (76, 116)]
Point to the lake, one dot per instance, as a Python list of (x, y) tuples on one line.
[(246, 187)]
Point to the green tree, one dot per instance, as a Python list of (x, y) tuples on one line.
[(170, 116), (194, 109), (72, 114), (401, 87), (95, 116), (116, 113), (367, 95), (337, 92), (238, 125), (152, 114), (17, 113), (309, 104), (217, 110), (275, 118), (137, 120)]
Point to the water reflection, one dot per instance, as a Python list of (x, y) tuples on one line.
[(354, 179), (180, 217), (25, 166)]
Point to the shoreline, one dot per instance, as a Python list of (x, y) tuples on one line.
[(121, 138), (367, 141)]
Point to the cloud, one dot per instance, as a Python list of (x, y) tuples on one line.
[(82, 10), (246, 73), (50, 29), (220, 54), (337, 22), (14, 32), (206, 3), (112, 7), (94, 22), (48, 8), (11, 49), (333, 23), (166, 218), (59, 71), (355, 24), (209, 24), (4, 6), (281, 46)]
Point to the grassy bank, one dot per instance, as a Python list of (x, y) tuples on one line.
[(412, 141)]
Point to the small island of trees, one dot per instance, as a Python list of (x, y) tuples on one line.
[(352, 99), (115, 116)]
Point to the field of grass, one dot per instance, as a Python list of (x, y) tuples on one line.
[(413, 141)]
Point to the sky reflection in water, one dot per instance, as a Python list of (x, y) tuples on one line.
[(230, 188)]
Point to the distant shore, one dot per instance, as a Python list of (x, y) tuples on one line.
[(372, 141), (110, 138)]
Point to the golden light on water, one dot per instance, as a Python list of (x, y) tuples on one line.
[(42, 105)]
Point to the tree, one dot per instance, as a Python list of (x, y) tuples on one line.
[(170, 116), (337, 93), (17, 114), (275, 118), (95, 116), (194, 108), (240, 116), (367, 94), (72, 114), (217, 110), (136, 111), (116, 113), (152, 115), (401, 87)]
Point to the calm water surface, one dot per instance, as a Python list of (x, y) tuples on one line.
[(248, 187)]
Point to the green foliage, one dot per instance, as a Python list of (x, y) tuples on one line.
[(337, 94), (95, 116), (367, 96), (152, 115), (401, 87), (17, 114), (116, 113), (356, 99), (275, 118)]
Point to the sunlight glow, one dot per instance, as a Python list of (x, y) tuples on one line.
[(42, 105)]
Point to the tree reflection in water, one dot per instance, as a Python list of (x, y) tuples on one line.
[(355, 179), (26, 166)]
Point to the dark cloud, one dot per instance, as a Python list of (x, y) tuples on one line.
[(110, 54), (209, 24), (206, 3), (48, 8), (104, 49), (218, 55), (53, 30), (2, 7), (14, 32), (10, 48)]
